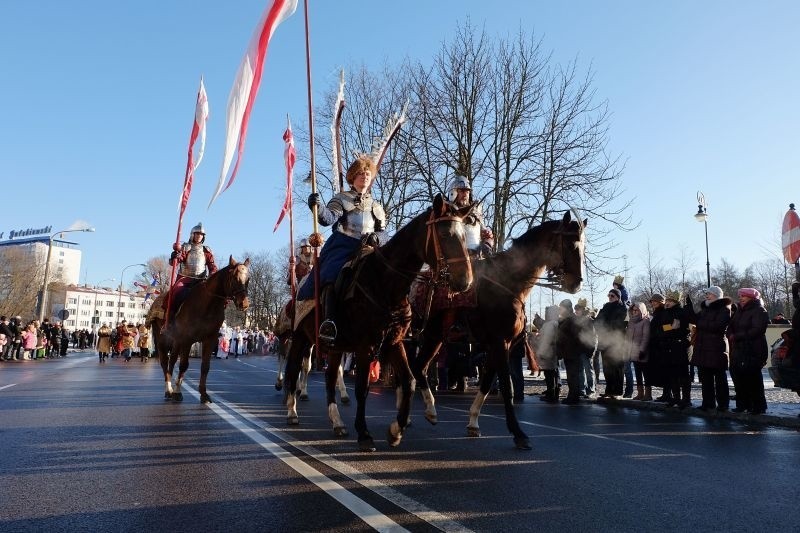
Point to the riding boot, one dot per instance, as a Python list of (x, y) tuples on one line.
[(639, 392), (648, 394), (327, 329)]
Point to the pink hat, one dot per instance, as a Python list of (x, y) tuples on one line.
[(750, 293)]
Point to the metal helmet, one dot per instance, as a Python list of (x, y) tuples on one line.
[(199, 229), (459, 183), (305, 242)]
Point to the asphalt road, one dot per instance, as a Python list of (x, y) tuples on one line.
[(90, 447)]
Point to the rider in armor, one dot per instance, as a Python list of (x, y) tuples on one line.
[(354, 214), (196, 263), (302, 262), (479, 238)]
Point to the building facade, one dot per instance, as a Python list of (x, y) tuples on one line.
[(89, 307)]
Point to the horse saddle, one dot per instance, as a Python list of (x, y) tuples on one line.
[(442, 297), (345, 284)]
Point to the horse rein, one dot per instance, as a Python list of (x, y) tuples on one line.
[(441, 268)]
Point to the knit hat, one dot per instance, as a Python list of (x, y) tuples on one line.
[(716, 290), (582, 303), (750, 293), (618, 279), (566, 304), (656, 297), (616, 293), (675, 296)]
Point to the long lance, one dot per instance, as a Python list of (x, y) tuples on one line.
[(292, 280), (316, 239)]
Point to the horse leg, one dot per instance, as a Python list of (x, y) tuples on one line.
[(305, 370), (182, 368), (365, 441), (299, 345), (163, 359), (341, 386), (431, 343), (282, 357), (397, 355), (521, 440), (487, 378), (331, 377), (205, 366)]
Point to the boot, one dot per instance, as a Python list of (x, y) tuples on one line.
[(327, 329), (648, 394), (639, 392)]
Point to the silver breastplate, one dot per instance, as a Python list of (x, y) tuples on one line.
[(195, 264), (472, 236), (359, 214)]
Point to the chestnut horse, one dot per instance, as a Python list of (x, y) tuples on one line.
[(378, 313), (502, 284), (197, 320)]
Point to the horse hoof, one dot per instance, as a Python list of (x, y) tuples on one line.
[(177, 396), (522, 443), (366, 444), (278, 386), (205, 399), (345, 400), (392, 439), (304, 397), (167, 395), (433, 419), (473, 432), (340, 431), (293, 421)]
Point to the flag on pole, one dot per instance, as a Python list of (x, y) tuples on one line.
[(289, 156), (198, 129), (245, 88)]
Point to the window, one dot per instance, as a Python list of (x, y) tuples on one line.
[(60, 261), (72, 300), (72, 311), (61, 253), (70, 323), (87, 302), (110, 314), (84, 312), (109, 303), (132, 305)]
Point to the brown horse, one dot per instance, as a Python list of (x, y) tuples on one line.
[(502, 284), (378, 313), (198, 320)]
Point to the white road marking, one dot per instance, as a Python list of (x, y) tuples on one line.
[(7, 386), (363, 510)]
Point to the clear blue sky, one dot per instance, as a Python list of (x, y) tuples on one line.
[(97, 100)]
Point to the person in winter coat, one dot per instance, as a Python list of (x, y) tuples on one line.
[(569, 347), (546, 354), (588, 340), (103, 342), (747, 337), (710, 354), (610, 327), (675, 348), (638, 336)]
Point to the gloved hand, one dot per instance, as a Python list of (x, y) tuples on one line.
[(173, 257), (314, 199), (373, 240)]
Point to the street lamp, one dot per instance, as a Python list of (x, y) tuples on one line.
[(121, 277), (95, 299), (82, 226), (702, 216)]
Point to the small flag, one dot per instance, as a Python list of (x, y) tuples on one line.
[(198, 129), (289, 157), (245, 88)]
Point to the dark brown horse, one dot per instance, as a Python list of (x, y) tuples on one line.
[(502, 283), (198, 320), (378, 313)]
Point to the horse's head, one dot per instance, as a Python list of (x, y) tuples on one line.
[(568, 271), (445, 248), (236, 282)]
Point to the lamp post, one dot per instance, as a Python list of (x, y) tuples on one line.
[(702, 216), (121, 277), (94, 313), (80, 227)]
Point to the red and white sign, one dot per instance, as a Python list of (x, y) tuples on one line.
[(791, 236)]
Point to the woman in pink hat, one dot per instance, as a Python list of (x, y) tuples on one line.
[(748, 341)]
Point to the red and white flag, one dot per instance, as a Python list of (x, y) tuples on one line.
[(245, 88), (289, 156), (198, 129)]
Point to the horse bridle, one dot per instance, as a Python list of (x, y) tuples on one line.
[(232, 294), (441, 270), (555, 274)]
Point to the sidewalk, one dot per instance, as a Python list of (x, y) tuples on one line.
[(783, 405)]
